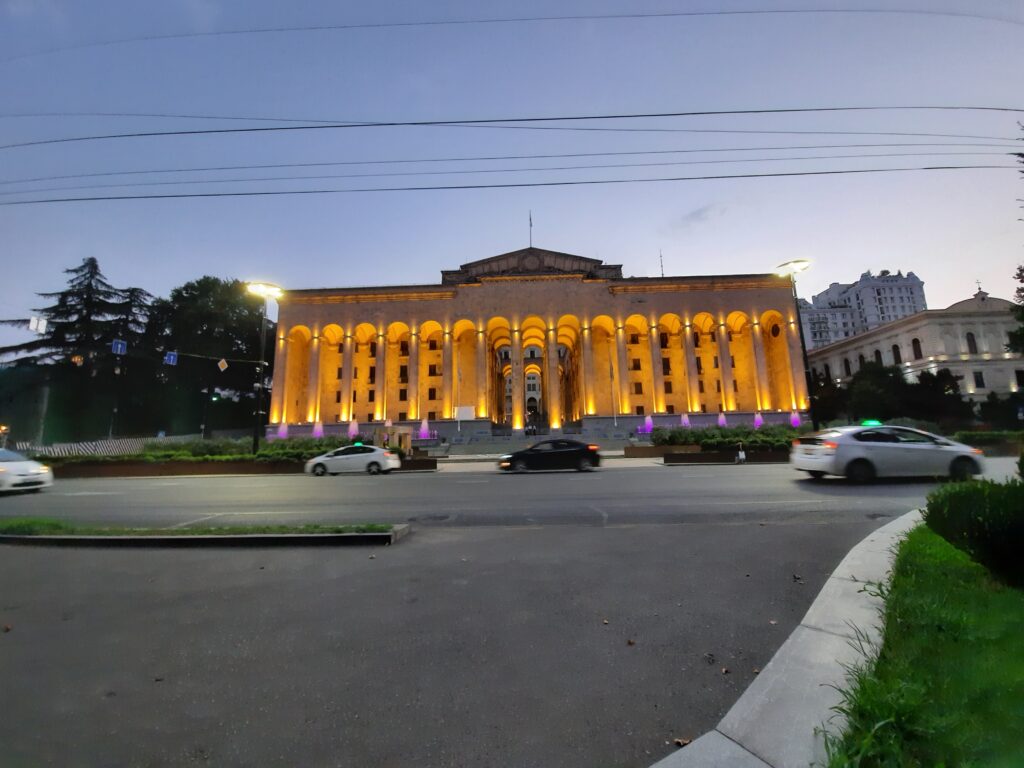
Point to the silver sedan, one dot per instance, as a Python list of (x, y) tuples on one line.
[(20, 473), (866, 452)]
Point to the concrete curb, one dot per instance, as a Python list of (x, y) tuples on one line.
[(777, 721), (396, 533)]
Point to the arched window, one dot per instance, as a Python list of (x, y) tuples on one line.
[(878, 356), (897, 356), (846, 366), (972, 343), (916, 344), (860, 361), (828, 372)]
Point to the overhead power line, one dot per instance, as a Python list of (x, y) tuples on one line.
[(522, 120), (487, 158), (514, 20), (508, 185), (463, 172)]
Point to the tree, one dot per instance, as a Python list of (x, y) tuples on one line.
[(1016, 343)]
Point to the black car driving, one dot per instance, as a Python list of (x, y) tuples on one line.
[(552, 454)]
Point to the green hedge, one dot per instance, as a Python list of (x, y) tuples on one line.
[(986, 520), (727, 438), (989, 438)]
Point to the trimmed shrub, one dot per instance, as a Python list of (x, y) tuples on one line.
[(984, 519), (989, 438)]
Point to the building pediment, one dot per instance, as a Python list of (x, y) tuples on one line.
[(531, 261)]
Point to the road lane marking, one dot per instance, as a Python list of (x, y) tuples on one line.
[(197, 520), (94, 493)]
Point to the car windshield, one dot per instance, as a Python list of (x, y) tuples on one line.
[(6, 455)]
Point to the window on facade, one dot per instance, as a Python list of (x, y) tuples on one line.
[(639, 410), (341, 347), (373, 348), (715, 362), (846, 367), (432, 345), (355, 373), (373, 374), (700, 387), (432, 393), (703, 408), (718, 385), (354, 393), (916, 346), (732, 361), (634, 364), (638, 388), (700, 367), (860, 361), (828, 372), (634, 338), (972, 344), (979, 379), (403, 348), (339, 373), (431, 415), (432, 369), (735, 386), (663, 340), (337, 396), (403, 416), (775, 331), (668, 387), (403, 395), (696, 338), (1020, 377), (669, 408), (878, 356), (666, 366), (897, 356), (371, 396)]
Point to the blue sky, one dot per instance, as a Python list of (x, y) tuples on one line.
[(951, 227)]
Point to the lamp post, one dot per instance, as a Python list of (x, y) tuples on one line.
[(266, 291), (791, 269)]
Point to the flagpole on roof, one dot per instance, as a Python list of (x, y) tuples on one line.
[(531, 229)]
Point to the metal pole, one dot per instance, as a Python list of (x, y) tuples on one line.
[(258, 386), (803, 349)]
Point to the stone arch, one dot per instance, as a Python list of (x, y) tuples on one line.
[(744, 370), (498, 344), (365, 376), (296, 388), (972, 343), (674, 374), (572, 392), (915, 345), (602, 342), (464, 371), (703, 331), (780, 373), (398, 337), (431, 370), (897, 355), (332, 356), (878, 356), (639, 375)]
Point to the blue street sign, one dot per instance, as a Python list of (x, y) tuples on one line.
[(119, 347), (170, 358)]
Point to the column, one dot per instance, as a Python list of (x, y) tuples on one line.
[(725, 369), (518, 401), (554, 404), (446, 379), (657, 372), (761, 383), (313, 384), (589, 382), (381, 380), (277, 385), (348, 354), (689, 357), (482, 381), (414, 375), (623, 383), (796, 366)]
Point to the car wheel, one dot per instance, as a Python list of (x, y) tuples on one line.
[(816, 474), (962, 468), (860, 471), (373, 468), (585, 464), (519, 466), (319, 470)]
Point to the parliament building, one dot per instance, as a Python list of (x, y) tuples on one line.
[(538, 338)]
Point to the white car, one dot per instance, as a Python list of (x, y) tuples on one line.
[(20, 473), (863, 453), (354, 458)]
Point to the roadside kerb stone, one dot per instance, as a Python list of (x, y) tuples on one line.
[(396, 533), (778, 721)]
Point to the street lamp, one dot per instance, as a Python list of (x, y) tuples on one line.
[(791, 269), (266, 291)]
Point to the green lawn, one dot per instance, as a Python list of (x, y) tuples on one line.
[(948, 686), (36, 526)]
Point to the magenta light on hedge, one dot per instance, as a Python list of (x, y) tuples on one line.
[(794, 419), (282, 431), (353, 428), (758, 420), (721, 419), (684, 420), (318, 429)]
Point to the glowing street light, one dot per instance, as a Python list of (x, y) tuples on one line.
[(266, 291), (791, 269)]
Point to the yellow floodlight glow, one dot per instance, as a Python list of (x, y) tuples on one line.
[(794, 267), (266, 290)]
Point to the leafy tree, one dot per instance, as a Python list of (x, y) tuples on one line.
[(876, 392), (1016, 343)]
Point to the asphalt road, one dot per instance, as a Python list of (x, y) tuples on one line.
[(478, 641)]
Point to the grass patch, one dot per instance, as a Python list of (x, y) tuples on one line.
[(38, 526), (948, 686)]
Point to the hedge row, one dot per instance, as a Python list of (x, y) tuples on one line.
[(727, 438), (985, 519), (989, 438)]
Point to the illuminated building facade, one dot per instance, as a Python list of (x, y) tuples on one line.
[(538, 337)]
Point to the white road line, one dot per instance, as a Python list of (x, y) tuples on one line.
[(93, 493), (197, 520)]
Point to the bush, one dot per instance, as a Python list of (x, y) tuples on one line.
[(727, 438), (989, 438), (986, 520)]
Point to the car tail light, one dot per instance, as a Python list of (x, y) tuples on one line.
[(388, 453), (978, 451), (593, 447), (830, 446)]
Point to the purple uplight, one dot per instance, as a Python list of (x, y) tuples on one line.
[(721, 420), (353, 428), (684, 420), (648, 424), (282, 431), (794, 420), (318, 429), (758, 420), (424, 430)]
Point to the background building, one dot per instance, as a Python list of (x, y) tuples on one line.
[(969, 338), (844, 310), (542, 338)]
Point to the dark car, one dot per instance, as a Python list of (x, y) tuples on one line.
[(552, 454)]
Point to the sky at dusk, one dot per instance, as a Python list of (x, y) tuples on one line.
[(950, 227)]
